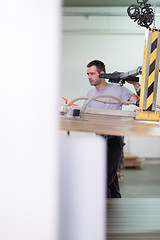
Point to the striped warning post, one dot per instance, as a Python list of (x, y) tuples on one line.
[(150, 74), (151, 77)]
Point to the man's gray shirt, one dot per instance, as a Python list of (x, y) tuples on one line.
[(111, 89)]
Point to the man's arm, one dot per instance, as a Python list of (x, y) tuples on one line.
[(135, 98)]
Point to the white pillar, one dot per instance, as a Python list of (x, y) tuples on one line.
[(83, 168), (29, 76)]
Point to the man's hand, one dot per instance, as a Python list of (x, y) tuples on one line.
[(134, 98)]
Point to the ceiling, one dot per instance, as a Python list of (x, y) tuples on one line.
[(103, 3)]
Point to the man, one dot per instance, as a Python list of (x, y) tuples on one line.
[(115, 143)]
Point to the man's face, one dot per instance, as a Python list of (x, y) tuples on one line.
[(93, 76)]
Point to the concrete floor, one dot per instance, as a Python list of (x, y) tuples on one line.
[(142, 183)]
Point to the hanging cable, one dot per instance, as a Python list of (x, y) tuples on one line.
[(142, 14)]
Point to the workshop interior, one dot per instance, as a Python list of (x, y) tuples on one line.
[(125, 35)]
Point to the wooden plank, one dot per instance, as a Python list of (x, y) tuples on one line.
[(111, 112), (111, 125), (133, 218)]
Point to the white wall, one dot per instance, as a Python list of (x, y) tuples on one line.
[(116, 40)]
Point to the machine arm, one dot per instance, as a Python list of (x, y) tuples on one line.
[(121, 77)]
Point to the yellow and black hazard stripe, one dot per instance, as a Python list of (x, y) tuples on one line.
[(151, 77)]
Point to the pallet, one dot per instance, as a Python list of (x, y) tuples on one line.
[(132, 161), (131, 164)]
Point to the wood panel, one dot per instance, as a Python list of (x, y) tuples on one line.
[(130, 219), (111, 125)]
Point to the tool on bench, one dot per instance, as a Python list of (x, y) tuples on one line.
[(69, 109)]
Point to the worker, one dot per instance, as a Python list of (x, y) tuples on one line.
[(114, 143)]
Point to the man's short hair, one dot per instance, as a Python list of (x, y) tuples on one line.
[(99, 65)]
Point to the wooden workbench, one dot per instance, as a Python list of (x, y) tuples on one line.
[(111, 125)]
